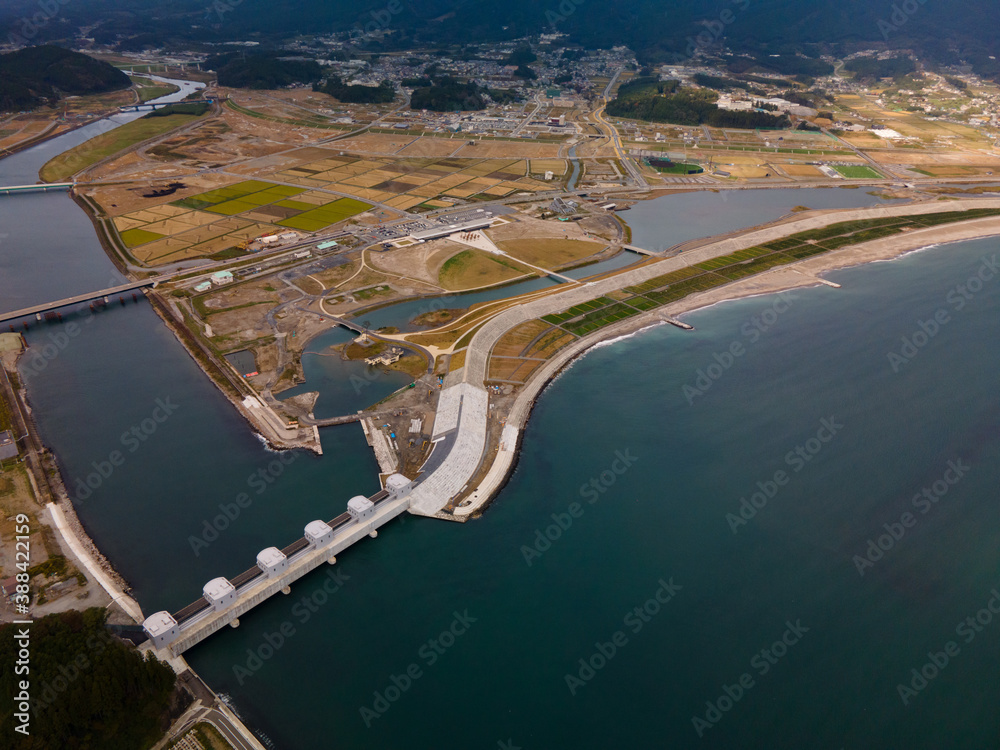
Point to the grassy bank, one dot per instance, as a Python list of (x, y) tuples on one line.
[(148, 89), (65, 165), (590, 316)]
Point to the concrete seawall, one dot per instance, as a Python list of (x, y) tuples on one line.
[(466, 451)]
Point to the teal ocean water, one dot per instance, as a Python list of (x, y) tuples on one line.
[(737, 514), (626, 491)]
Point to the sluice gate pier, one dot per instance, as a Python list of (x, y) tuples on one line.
[(224, 600)]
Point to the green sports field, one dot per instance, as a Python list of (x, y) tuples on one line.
[(858, 172)]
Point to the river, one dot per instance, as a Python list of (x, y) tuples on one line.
[(439, 634)]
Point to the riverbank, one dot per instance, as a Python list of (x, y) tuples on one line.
[(52, 131), (50, 494), (495, 472), (278, 434)]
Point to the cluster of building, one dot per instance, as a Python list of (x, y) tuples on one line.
[(390, 356)]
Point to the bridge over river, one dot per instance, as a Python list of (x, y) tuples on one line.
[(103, 294), (42, 187)]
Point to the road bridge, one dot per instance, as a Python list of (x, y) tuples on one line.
[(104, 294), (42, 187), (158, 105)]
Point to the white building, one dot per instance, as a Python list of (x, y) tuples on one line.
[(318, 533), (161, 629), (360, 508), (219, 593), (398, 485), (272, 562)]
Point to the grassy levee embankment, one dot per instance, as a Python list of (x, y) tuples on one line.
[(68, 163)]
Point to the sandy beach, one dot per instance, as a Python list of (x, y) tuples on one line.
[(801, 274)]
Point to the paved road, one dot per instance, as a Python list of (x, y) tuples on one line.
[(228, 730), (538, 106), (616, 141)]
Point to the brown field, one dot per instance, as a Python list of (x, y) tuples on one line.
[(550, 252), (239, 294), (528, 228), (958, 171), (748, 171), (432, 147), (407, 182), (375, 143), (513, 343), (509, 149), (245, 323), (550, 343), (802, 170), (422, 261), (123, 199), (517, 370), (471, 269), (503, 369), (932, 159), (25, 127), (457, 361), (556, 166)]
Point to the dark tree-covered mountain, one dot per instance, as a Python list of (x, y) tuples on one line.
[(36, 75), (658, 30), (89, 691)]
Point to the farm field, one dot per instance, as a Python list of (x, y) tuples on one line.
[(215, 220), (409, 182)]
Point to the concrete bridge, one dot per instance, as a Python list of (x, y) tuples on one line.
[(104, 294), (640, 250), (225, 600), (43, 187), (151, 106), (348, 324)]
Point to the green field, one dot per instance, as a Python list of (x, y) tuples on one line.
[(251, 194), (675, 167), (324, 216), (62, 167), (134, 237), (858, 172)]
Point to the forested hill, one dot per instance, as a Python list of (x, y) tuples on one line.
[(664, 101), (89, 690), (36, 75), (658, 30)]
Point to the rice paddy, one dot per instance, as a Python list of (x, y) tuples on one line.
[(219, 219)]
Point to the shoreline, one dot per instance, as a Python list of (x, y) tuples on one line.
[(48, 135), (51, 495), (802, 274), (263, 421)]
